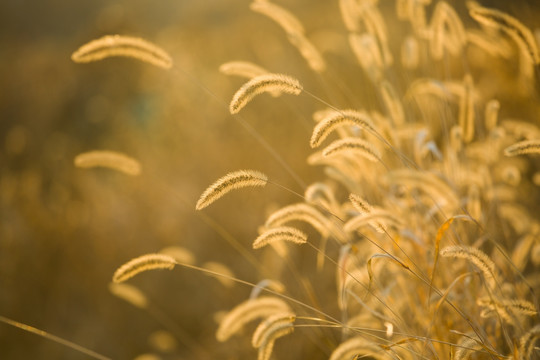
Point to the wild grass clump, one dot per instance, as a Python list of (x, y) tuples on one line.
[(417, 237)]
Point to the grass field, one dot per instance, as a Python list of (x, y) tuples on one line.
[(392, 182)]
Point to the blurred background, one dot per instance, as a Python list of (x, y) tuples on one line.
[(64, 230)]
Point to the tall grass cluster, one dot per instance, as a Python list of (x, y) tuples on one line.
[(358, 179)]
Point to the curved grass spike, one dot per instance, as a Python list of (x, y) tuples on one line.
[(511, 26), (353, 146), (280, 15), (360, 204), (188, 259), (109, 159), (351, 15), (478, 258), (465, 347), (404, 159), (272, 327), (523, 147), (179, 253), (506, 309), (299, 212), (282, 233), (336, 119), (129, 293), (365, 208), (261, 84), (322, 195), (447, 31), (269, 331), (244, 69), (295, 32), (376, 26), (248, 311), (231, 181), (308, 51), (357, 348), (143, 263), (492, 44), (121, 45)]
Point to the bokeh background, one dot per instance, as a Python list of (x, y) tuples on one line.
[(64, 230)]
